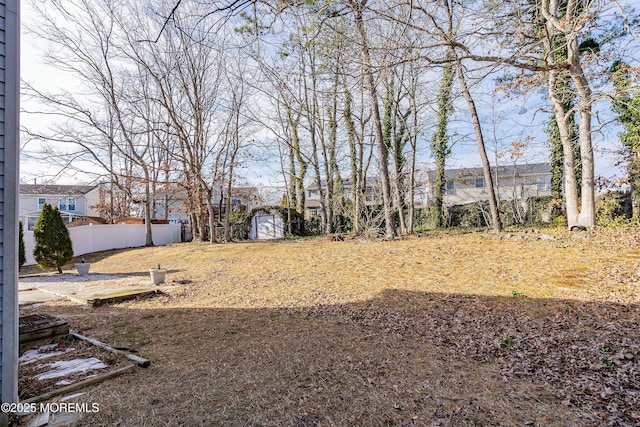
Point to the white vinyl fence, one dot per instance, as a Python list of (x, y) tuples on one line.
[(94, 238)]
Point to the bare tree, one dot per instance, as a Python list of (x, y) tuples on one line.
[(88, 43)]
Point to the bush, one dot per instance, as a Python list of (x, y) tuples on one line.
[(425, 218), (560, 222), (313, 227), (535, 210), (468, 215), (53, 244), (22, 254), (610, 210)]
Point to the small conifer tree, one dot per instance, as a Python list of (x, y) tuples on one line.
[(22, 255), (53, 244)]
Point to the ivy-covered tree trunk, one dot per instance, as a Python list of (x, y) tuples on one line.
[(298, 177), (557, 152), (628, 109), (354, 159), (570, 190), (394, 141), (440, 142)]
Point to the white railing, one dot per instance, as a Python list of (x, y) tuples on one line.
[(94, 238)]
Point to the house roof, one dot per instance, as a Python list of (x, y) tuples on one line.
[(182, 194), (55, 190), (37, 213), (503, 171), (244, 192), (309, 204), (84, 220), (345, 181)]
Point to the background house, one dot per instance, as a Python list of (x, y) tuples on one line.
[(243, 199), (174, 206), (518, 182), (73, 201), (373, 195)]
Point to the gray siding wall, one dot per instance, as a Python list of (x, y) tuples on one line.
[(9, 160)]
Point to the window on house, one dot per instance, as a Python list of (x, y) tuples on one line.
[(71, 204), (62, 204), (313, 194), (450, 188), (543, 183), (369, 195), (41, 202), (480, 183)]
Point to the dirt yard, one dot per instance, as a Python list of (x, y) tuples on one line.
[(534, 328)]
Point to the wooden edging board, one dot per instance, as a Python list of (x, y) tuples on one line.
[(80, 384), (142, 362)]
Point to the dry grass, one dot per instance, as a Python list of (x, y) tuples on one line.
[(422, 331)]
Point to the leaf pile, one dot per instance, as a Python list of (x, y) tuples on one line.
[(587, 355)]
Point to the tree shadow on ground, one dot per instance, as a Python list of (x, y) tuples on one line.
[(402, 358)]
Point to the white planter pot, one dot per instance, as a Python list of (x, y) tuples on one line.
[(83, 268), (157, 275)]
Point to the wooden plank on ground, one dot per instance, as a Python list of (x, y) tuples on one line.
[(117, 296), (80, 384), (95, 300), (39, 326), (142, 362)]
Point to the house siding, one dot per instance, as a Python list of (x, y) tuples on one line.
[(86, 198), (516, 182), (29, 204), (507, 188), (9, 107)]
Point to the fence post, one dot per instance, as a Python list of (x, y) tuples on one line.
[(91, 237)]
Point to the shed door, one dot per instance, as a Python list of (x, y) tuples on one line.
[(269, 227)]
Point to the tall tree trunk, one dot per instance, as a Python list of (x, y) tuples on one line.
[(328, 173), (353, 157), (311, 111), (383, 161), (567, 23), (569, 174), (587, 215), (440, 141), (413, 140), (227, 217), (486, 166), (212, 217), (300, 195), (634, 181)]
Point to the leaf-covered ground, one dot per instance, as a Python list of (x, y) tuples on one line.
[(528, 328)]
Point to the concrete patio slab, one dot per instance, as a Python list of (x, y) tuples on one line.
[(92, 290), (34, 296)]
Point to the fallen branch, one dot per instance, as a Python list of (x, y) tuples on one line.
[(142, 362)]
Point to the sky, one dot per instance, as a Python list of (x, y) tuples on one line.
[(503, 119)]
